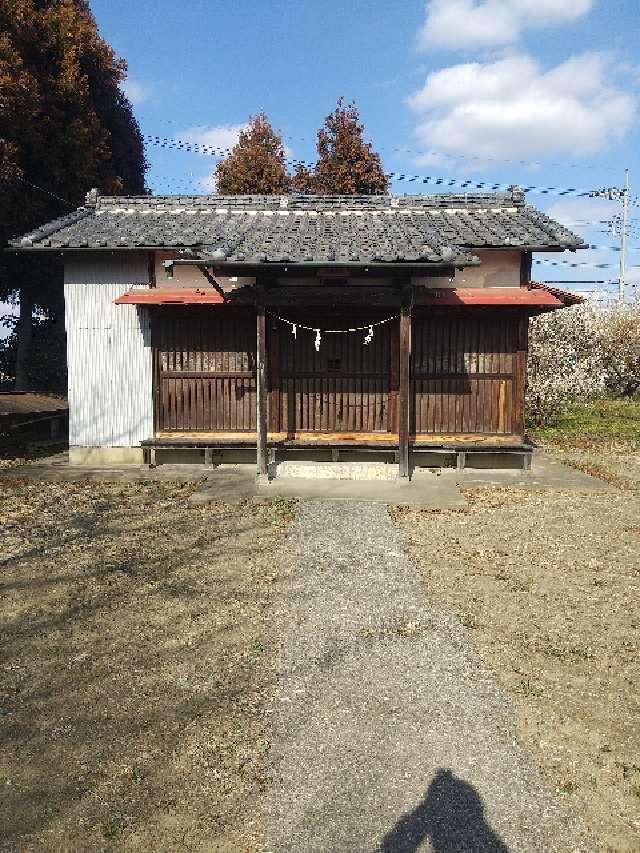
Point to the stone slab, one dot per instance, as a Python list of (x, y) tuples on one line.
[(433, 491), (546, 473), (229, 483), (360, 471)]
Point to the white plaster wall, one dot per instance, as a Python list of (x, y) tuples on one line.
[(498, 268), (190, 276)]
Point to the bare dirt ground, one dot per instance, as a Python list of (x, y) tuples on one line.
[(549, 584), (137, 631)]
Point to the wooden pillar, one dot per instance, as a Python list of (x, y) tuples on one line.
[(261, 383), (526, 261), (273, 377), (404, 381), (520, 373)]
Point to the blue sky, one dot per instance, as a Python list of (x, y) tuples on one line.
[(458, 88), (473, 83)]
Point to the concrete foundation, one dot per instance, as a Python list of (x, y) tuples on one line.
[(199, 456), (497, 460), (237, 482), (296, 463), (105, 457)]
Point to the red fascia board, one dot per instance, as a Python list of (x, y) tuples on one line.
[(450, 297), (170, 296), (489, 296)]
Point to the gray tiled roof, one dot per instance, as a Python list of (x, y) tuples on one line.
[(298, 229)]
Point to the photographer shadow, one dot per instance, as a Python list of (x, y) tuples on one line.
[(451, 816)]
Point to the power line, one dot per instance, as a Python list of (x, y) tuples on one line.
[(402, 149), (434, 180), (481, 159), (470, 183), (577, 264), (43, 190), (614, 248)]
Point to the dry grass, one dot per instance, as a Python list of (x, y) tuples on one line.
[(617, 462), (549, 583), (137, 634)]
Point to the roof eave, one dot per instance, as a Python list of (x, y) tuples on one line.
[(16, 246), (525, 247), (218, 264), (565, 297)]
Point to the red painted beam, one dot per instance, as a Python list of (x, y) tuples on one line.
[(462, 296), (536, 295), (170, 296)]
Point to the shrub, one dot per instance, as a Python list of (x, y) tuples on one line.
[(581, 353), (621, 349)]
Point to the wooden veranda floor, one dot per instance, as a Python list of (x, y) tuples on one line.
[(330, 439)]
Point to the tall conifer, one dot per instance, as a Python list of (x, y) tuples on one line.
[(65, 127), (256, 164), (346, 165)]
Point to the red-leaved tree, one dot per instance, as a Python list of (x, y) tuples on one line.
[(346, 165), (256, 164), (65, 127)]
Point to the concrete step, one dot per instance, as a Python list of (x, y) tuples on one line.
[(336, 471)]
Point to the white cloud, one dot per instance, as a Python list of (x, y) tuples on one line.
[(436, 160), (222, 136), (512, 108), (488, 23), (215, 136), (136, 91), (573, 212), (208, 183)]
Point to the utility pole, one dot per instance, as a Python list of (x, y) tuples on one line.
[(623, 234)]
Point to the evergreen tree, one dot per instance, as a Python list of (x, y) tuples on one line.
[(256, 164), (65, 126), (346, 164)]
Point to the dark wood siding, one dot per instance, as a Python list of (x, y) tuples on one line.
[(344, 387), (464, 372), (467, 372), (205, 369)]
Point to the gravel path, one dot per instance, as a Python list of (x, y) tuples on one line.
[(388, 732)]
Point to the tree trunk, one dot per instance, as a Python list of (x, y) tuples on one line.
[(25, 337), (60, 334)]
